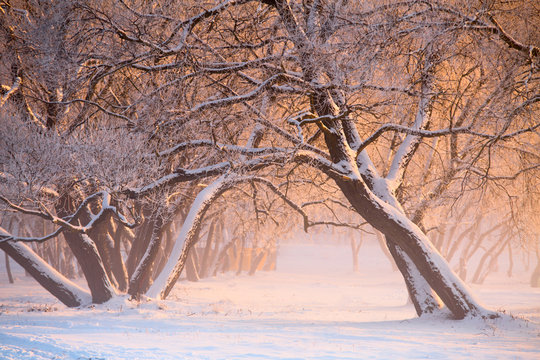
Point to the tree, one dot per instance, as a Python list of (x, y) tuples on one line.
[(379, 98)]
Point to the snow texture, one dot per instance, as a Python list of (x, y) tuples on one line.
[(312, 307), (48, 271)]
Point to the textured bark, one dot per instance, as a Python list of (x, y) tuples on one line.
[(87, 255), (33, 264), (118, 266), (141, 279), (420, 293), (415, 244), (100, 235), (139, 245), (188, 237)]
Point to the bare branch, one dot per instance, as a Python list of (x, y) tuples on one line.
[(8, 91), (531, 50)]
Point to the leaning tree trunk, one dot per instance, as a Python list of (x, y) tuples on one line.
[(58, 285), (420, 293), (141, 279), (85, 251), (187, 237), (355, 189), (415, 244)]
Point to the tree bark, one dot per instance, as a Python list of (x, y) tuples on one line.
[(431, 265), (420, 293), (8, 269), (87, 255), (59, 286), (207, 255), (142, 276), (187, 237)]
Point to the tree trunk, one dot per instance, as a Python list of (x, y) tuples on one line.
[(187, 237), (8, 269), (101, 237), (192, 274), (207, 254), (483, 271), (118, 266), (142, 276), (355, 249), (59, 286), (420, 293), (405, 234), (535, 276), (87, 255), (139, 245)]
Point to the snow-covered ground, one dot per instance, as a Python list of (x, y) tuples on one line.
[(312, 307)]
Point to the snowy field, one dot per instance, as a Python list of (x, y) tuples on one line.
[(312, 307)]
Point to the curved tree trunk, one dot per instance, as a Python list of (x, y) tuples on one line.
[(187, 237), (415, 244), (340, 137)]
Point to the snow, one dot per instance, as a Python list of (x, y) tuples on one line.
[(46, 270), (188, 229), (312, 307)]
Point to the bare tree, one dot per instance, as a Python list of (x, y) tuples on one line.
[(399, 106)]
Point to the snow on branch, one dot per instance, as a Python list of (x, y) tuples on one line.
[(531, 50), (222, 147), (306, 117), (8, 91), (239, 98), (93, 103), (180, 175), (65, 224), (184, 175), (436, 133), (214, 68)]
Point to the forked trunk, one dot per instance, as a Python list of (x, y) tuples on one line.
[(415, 244), (425, 301)]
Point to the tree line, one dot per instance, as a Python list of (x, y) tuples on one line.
[(122, 120)]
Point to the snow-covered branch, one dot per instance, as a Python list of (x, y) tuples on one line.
[(437, 133), (530, 50), (66, 223), (239, 98), (221, 147), (8, 91)]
